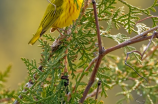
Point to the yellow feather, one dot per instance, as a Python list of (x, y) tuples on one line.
[(59, 14), (35, 37)]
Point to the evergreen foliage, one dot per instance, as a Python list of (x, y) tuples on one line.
[(45, 83)]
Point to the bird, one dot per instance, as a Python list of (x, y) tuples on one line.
[(59, 14)]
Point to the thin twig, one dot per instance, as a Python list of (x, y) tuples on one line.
[(96, 91), (152, 50), (148, 45), (131, 66), (99, 83), (147, 18)]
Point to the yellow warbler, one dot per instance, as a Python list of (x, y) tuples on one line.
[(59, 14)]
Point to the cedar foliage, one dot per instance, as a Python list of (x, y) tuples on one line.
[(49, 88)]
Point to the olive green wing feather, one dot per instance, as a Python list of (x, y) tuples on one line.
[(52, 13)]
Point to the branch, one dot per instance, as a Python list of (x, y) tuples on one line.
[(131, 41), (144, 33), (101, 50)]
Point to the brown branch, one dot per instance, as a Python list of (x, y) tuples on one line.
[(147, 18), (101, 50), (128, 43), (92, 78), (144, 33), (97, 27)]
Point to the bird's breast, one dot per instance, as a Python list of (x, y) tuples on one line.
[(69, 14)]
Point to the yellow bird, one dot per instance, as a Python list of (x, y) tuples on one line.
[(59, 14)]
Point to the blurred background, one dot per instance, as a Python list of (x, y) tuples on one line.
[(19, 20)]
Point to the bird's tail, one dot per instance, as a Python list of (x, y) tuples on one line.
[(36, 36)]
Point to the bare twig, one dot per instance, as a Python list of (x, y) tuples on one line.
[(131, 66), (147, 18), (96, 91), (99, 83), (152, 50), (148, 45)]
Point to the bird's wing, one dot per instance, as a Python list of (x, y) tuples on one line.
[(53, 11)]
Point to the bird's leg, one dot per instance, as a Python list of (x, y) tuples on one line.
[(59, 31), (53, 29)]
